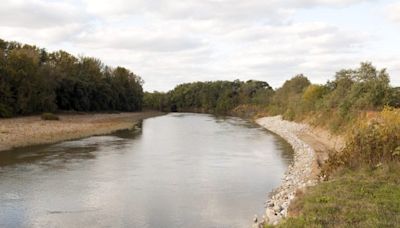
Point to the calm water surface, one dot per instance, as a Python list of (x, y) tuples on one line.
[(180, 170)]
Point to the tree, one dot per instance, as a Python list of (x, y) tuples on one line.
[(33, 81), (215, 97)]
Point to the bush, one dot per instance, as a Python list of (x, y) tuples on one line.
[(49, 116), (5, 111), (312, 95), (373, 140), (290, 114)]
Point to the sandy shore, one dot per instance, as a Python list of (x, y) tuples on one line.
[(25, 131), (311, 147)]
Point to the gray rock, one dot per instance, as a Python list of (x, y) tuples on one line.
[(297, 175), (255, 219)]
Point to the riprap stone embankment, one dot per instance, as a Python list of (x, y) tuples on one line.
[(300, 173)]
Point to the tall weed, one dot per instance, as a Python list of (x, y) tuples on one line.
[(374, 139)]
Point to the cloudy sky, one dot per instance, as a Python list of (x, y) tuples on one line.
[(169, 42)]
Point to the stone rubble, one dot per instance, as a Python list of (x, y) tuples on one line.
[(299, 173)]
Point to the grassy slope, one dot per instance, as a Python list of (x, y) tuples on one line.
[(360, 198)]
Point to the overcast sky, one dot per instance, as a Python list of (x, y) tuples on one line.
[(168, 42)]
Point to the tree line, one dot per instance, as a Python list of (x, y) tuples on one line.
[(33, 80), (335, 103), (338, 102), (211, 97)]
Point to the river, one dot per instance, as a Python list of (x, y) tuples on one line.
[(177, 170)]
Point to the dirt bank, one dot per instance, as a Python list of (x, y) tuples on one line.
[(26, 131), (311, 148)]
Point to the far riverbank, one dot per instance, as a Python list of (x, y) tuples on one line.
[(32, 130)]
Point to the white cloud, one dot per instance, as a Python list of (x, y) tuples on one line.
[(170, 42), (39, 13), (138, 39), (335, 3), (41, 36), (42, 22), (394, 12)]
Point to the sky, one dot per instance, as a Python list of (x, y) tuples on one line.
[(169, 42)]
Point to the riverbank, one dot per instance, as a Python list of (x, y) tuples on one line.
[(32, 130), (362, 197), (311, 148)]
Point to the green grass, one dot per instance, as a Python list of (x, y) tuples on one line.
[(352, 198)]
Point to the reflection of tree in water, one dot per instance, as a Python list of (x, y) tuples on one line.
[(46, 154)]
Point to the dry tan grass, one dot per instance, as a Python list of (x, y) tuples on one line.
[(24, 131)]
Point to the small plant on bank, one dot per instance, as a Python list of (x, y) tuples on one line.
[(49, 116)]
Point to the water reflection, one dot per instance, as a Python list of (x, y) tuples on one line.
[(179, 170)]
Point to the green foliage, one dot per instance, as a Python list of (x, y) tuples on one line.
[(338, 103), (156, 101), (312, 97), (367, 197), (335, 105), (33, 81), (6, 98), (362, 89), (49, 116), (287, 98), (213, 97), (394, 99), (5, 111)]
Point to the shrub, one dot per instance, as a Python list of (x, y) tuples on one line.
[(312, 95), (290, 114), (5, 111), (49, 116), (373, 140)]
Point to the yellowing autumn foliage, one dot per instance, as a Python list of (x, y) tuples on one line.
[(373, 140)]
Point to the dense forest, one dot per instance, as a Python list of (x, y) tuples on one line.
[(33, 80), (212, 97)]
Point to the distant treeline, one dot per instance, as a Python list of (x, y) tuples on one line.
[(335, 103), (33, 80), (211, 97)]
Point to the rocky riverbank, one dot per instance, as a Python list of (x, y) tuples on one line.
[(27, 131), (304, 170)]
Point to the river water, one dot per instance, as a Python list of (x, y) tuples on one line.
[(179, 170)]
